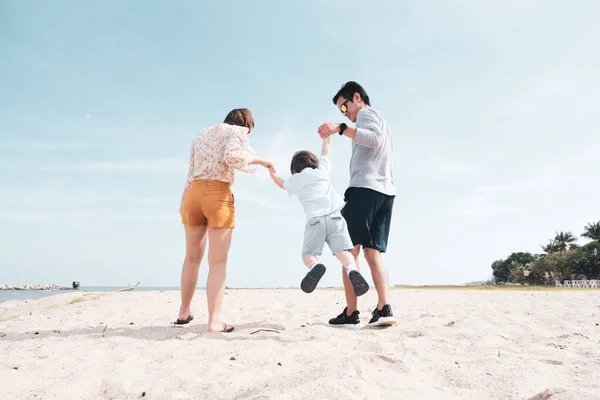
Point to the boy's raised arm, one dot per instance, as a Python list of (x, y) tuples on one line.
[(278, 181), (325, 147)]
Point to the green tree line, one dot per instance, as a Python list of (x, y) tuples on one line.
[(562, 258)]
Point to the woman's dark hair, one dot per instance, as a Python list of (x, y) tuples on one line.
[(240, 117), (303, 159)]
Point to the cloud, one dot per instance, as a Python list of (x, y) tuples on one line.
[(261, 200), (156, 165), (279, 149), (539, 185), (437, 166), (551, 183), (43, 145), (570, 169), (480, 206), (73, 205), (70, 218), (71, 197), (282, 146)]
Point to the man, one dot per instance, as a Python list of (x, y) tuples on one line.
[(369, 197)]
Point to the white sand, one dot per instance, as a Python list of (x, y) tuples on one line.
[(501, 345)]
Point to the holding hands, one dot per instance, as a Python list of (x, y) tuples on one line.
[(328, 128), (268, 165), (278, 181)]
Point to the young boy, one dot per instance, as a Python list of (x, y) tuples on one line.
[(324, 222)]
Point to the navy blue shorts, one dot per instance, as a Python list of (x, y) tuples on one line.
[(368, 214)]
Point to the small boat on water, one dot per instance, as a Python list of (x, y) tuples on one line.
[(127, 288)]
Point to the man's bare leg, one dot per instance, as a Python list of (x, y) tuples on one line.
[(382, 315), (379, 272), (351, 299)]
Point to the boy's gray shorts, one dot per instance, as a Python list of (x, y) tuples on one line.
[(330, 229)]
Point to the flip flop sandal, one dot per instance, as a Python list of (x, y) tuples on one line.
[(184, 321)]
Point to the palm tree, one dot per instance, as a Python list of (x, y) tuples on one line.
[(516, 271), (550, 247), (564, 241), (592, 231)]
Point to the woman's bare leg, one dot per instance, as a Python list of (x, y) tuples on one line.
[(219, 242), (195, 243)]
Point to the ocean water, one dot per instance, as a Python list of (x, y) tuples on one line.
[(6, 295)]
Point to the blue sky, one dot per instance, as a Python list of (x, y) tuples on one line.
[(494, 109)]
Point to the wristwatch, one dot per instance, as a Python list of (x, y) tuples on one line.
[(343, 127)]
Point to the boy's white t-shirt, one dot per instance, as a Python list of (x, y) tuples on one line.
[(314, 190)]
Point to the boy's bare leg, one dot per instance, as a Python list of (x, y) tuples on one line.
[(309, 260), (314, 275)]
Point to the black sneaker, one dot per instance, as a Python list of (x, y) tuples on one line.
[(343, 320), (359, 283), (312, 278), (383, 317)]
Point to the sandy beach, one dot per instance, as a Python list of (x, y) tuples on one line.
[(449, 344)]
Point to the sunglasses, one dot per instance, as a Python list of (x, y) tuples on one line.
[(343, 107)]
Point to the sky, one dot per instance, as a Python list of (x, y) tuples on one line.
[(494, 109)]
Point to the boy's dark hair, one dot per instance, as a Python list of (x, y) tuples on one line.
[(303, 159), (347, 91), (240, 117)]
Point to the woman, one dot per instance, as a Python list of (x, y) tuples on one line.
[(208, 208)]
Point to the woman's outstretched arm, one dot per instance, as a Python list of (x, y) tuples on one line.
[(236, 155), (264, 163)]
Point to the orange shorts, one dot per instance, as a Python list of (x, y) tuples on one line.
[(209, 203)]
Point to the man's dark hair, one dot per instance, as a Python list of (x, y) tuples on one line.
[(303, 159), (240, 117), (347, 91)]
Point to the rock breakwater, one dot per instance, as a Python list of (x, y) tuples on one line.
[(35, 287)]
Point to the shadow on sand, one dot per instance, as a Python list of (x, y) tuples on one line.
[(248, 331)]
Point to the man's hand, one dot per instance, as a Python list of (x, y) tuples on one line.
[(328, 128)]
